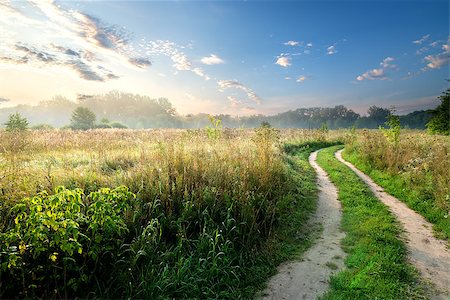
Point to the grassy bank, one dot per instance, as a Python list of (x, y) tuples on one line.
[(415, 170), (376, 266), (150, 214)]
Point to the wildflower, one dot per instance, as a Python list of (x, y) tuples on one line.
[(53, 256), (22, 248)]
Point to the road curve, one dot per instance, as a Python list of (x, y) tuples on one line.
[(430, 255)]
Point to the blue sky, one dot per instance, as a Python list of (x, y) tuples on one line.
[(236, 57)]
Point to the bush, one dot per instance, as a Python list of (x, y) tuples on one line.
[(42, 127), (16, 123), (118, 125), (62, 240), (440, 122)]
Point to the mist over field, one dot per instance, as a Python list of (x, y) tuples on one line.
[(137, 111)]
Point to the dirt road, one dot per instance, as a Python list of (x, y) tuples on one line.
[(309, 278), (430, 255)]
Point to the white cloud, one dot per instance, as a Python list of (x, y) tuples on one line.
[(234, 84), (309, 44), (212, 60), (284, 61), (301, 78), (178, 57), (422, 39), (200, 73), (291, 43), (446, 48), (331, 50), (288, 78), (379, 73), (437, 61), (386, 63)]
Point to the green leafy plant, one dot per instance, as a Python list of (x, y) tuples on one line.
[(55, 238), (214, 131), (440, 121), (16, 123)]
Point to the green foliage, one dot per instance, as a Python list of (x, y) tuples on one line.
[(82, 118), (118, 125), (64, 231), (214, 130), (377, 266), (392, 134), (16, 123), (42, 126), (211, 218), (440, 121)]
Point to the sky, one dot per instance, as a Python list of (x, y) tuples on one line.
[(231, 57)]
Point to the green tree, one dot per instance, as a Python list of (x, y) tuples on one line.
[(440, 120), (83, 118), (16, 123)]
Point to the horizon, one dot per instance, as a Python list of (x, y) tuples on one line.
[(236, 57)]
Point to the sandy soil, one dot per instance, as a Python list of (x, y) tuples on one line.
[(309, 278), (430, 255)]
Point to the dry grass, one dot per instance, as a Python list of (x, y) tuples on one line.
[(417, 169)]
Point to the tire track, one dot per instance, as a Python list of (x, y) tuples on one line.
[(309, 278), (430, 255)]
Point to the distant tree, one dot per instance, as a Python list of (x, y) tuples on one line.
[(16, 123), (378, 113), (83, 118), (440, 120)]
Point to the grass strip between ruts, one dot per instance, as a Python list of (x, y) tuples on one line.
[(376, 266), (411, 195)]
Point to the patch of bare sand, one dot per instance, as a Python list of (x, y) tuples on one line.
[(430, 255), (309, 278)]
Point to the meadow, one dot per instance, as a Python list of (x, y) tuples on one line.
[(150, 213), (205, 213)]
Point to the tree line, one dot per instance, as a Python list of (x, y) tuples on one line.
[(125, 110)]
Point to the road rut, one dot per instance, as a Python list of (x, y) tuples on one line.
[(430, 255)]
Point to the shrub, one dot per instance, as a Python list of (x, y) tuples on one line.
[(118, 125), (62, 240), (82, 118), (16, 123)]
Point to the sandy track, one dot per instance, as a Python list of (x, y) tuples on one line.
[(430, 255), (309, 278)]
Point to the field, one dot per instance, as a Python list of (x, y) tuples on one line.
[(193, 213)]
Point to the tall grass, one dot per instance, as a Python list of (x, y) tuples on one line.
[(416, 169), (202, 213)]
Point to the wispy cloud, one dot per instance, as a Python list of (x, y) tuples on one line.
[(301, 78), (331, 50), (439, 60), (212, 60), (68, 38), (422, 39), (3, 100), (284, 61), (378, 73), (292, 43), (234, 84), (436, 61), (234, 103), (181, 61)]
